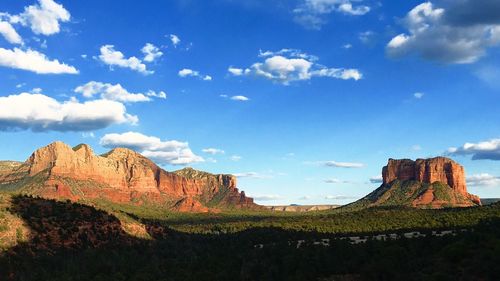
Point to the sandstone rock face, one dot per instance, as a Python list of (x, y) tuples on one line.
[(438, 169), (424, 183), (123, 175), (431, 170)]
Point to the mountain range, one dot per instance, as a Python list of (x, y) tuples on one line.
[(120, 176), (124, 176)]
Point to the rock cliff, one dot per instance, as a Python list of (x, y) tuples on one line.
[(122, 176), (438, 169), (424, 183)]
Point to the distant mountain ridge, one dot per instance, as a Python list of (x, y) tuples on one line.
[(121, 176), (424, 183)]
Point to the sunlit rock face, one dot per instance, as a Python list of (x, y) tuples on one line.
[(124, 176), (424, 183), (438, 169)]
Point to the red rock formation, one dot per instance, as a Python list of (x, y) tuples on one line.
[(438, 169), (123, 175)]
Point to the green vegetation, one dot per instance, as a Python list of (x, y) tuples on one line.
[(404, 193), (74, 241)]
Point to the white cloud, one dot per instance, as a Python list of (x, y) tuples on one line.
[(347, 46), (482, 150), (267, 197), (294, 53), (343, 164), (186, 72), (235, 71), (9, 33), (213, 151), (418, 95), (36, 91), (461, 33), (235, 158), (339, 197), (160, 94), (376, 179), (313, 13), (253, 175), (43, 18), (39, 112), (334, 180), (34, 61), (115, 92), (289, 65), (112, 58), (347, 8), (175, 39), (240, 98), (483, 179), (151, 52), (164, 152)]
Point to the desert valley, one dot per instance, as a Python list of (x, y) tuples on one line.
[(252, 140), (68, 205)]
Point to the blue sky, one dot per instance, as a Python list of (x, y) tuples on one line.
[(304, 100)]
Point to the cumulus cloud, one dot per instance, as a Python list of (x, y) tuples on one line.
[(186, 72), (164, 152), (111, 57), (235, 71), (9, 33), (289, 65), (174, 39), (313, 14), (482, 150), (460, 33), (115, 92), (483, 179), (213, 151), (160, 94), (151, 52), (38, 112), (43, 18), (34, 61)]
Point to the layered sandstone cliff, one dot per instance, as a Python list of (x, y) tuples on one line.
[(438, 169), (123, 175), (424, 183)]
